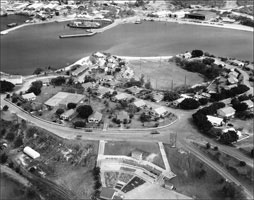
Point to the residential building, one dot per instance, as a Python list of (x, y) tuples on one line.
[(160, 112), (249, 103), (95, 117), (237, 63), (103, 90), (229, 87), (226, 112), (232, 80), (178, 101), (87, 85), (68, 115), (139, 103), (215, 121), (107, 193), (136, 154), (122, 96), (234, 73), (157, 97), (31, 153), (134, 90), (122, 116), (29, 96)]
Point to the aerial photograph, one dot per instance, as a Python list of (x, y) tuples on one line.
[(126, 99)]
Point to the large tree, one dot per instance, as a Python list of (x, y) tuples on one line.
[(84, 111), (189, 104), (6, 86)]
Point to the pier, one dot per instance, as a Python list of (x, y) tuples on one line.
[(78, 35)]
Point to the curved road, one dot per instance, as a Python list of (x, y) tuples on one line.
[(183, 127)]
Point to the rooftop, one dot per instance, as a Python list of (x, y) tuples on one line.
[(139, 103), (29, 95), (107, 193)]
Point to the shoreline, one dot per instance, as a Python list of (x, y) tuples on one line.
[(133, 19)]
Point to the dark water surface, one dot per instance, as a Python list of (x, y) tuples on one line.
[(39, 45), (19, 19)]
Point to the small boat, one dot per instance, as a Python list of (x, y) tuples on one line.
[(78, 35), (138, 21), (12, 25)]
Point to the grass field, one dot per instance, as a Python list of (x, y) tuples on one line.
[(125, 148), (246, 125), (193, 177), (161, 74)]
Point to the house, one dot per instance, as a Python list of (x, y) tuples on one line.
[(232, 80), (229, 87), (249, 103), (178, 101), (122, 96), (157, 97), (160, 112), (88, 85), (79, 70), (206, 95), (103, 90), (107, 193), (122, 116), (99, 55), (136, 154), (31, 153), (215, 121), (139, 104), (95, 117), (168, 185), (134, 90), (29, 96), (226, 112), (233, 73), (68, 115), (237, 63)]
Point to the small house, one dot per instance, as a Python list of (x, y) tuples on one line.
[(31, 153), (234, 73), (87, 85), (157, 97), (226, 112), (215, 121), (249, 103), (107, 193), (122, 96), (68, 115), (134, 90), (136, 154), (95, 117), (139, 104), (160, 112), (232, 80), (29, 96), (123, 115)]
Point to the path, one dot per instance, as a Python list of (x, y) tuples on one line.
[(164, 157)]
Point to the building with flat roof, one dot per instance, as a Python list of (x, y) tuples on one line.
[(31, 153), (139, 103), (63, 98), (160, 112), (14, 79), (29, 96), (249, 103)]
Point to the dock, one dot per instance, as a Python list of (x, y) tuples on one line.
[(78, 35)]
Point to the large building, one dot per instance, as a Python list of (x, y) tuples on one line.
[(14, 79), (63, 98), (201, 15)]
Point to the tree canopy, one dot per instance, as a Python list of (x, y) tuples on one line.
[(84, 111), (189, 104), (6, 86)]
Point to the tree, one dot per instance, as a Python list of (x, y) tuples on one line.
[(71, 105), (144, 117), (58, 81), (10, 136), (208, 145), (240, 107), (30, 132), (5, 108), (6, 86), (171, 96), (229, 137), (37, 71), (148, 85), (59, 111), (233, 191), (27, 106), (252, 153), (189, 104), (196, 53), (3, 158), (35, 87), (203, 101), (79, 124), (84, 111), (18, 142), (242, 163), (208, 61)]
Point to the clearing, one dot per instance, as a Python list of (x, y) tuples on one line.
[(162, 73)]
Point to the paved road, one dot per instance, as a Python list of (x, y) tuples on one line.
[(183, 127)]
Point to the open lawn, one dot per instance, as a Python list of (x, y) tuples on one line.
[(246, 125), (125, 148), (161, 74), (246, 145), (47, 92), (193, 177)]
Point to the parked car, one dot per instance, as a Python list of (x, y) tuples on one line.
[(155, 132)]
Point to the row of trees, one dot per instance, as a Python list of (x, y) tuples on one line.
[(35, 87), (224, 94)]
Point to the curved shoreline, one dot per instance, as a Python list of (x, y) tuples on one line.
[(133, 19)]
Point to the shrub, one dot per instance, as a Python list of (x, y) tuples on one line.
[(3, 158), (208, 145), (18, 142), (59, 111), (71, 105), (5, 108), (79, 124), (10, 136), (189, 104), (84, 111), (196, 53), (242, 163), (203, 101)]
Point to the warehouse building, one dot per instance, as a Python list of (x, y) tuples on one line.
[(31, 153)]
